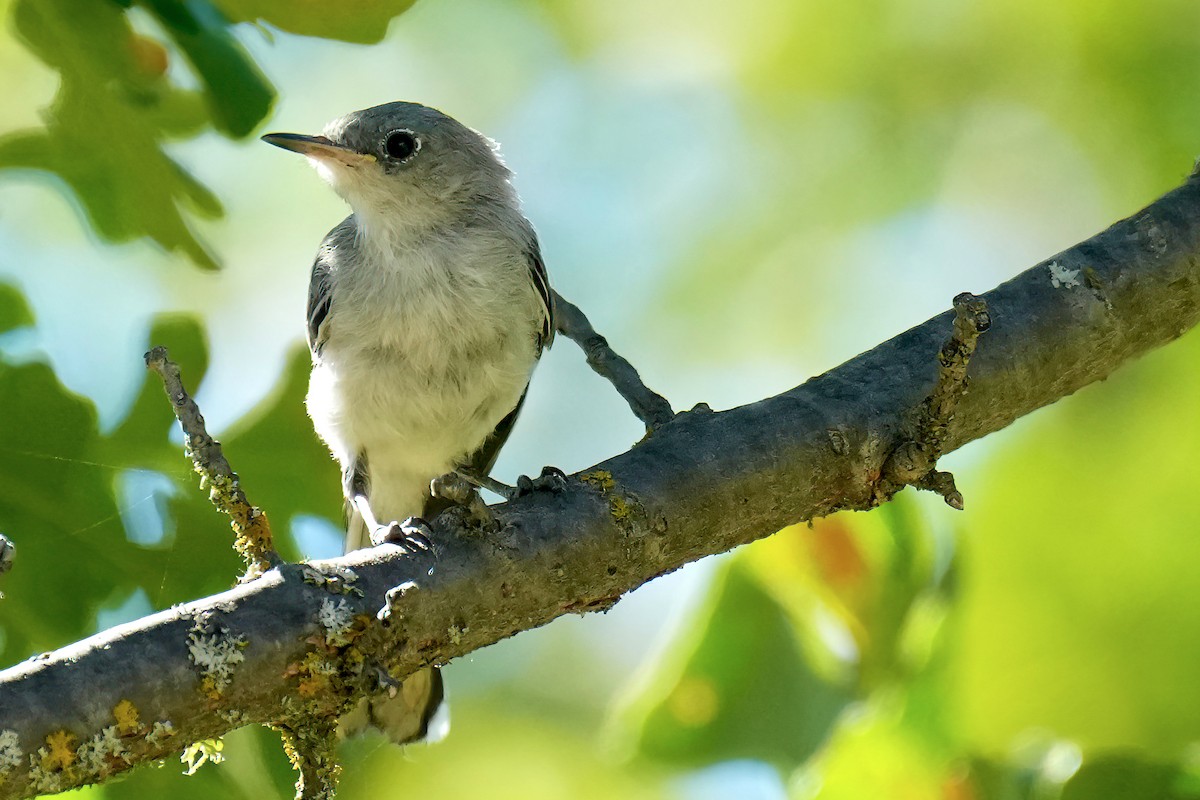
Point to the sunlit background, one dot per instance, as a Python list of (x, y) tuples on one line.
[(740, 196)]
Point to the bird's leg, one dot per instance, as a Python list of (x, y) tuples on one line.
[(412, 534), (552, 479)]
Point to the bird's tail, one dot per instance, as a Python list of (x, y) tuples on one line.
[(410, 712), (413, 711)]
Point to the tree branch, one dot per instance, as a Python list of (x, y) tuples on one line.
[(303, 638)]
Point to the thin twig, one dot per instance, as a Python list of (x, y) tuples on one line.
[(311, 747), (914, 461), (252, 530), (971, 319), (649, 406)]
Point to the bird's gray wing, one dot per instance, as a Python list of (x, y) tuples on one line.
[(483, 459), (480, 462), (541, 282), (320, 286), (320, 297)]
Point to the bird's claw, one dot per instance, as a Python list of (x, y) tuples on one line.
[(552, 480), (413, 535), (452, 487), (459, 490)]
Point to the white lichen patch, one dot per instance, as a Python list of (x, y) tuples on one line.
[(94, 754), (1063, 277), (197, 753), (456, 634), (336, 618), (43, 781), (233, 717), (47, 765), (10, 752), (346, 574), (160, 732), (392, 601), (311, 575), (337, 580), (215, 651)]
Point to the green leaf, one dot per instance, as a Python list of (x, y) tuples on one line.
[(737, 686), (239, 95), (61, 498), (104, 132), (364, 21), (14, 311), (57, 505), (115, 108)]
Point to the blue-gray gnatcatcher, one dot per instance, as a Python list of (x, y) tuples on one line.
[(427, 310)]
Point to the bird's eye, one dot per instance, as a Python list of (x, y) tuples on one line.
[(400, 144)]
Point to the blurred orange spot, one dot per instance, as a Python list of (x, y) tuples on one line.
[(149, 56), (958, 786), (836, 555)]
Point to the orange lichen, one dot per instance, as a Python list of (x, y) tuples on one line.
[(600, 478), (208, 688), (126, 715), (60, 750)]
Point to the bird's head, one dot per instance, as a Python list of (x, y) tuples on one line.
[(404, 159)]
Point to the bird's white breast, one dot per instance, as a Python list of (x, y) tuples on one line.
[(425, 354)]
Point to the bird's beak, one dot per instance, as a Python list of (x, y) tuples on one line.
[(318, 147)]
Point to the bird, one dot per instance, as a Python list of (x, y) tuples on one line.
[(428, 308)]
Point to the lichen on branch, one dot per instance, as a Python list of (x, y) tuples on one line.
[(252, 530)]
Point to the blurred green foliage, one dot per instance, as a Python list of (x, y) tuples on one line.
[(14, 313), (855, 111), (743, 690), (1041, 646), (121, 101), (61, 477), (364, 21)]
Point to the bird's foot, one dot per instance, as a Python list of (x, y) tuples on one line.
[(413, 534), (461, 491), (552, 479)]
